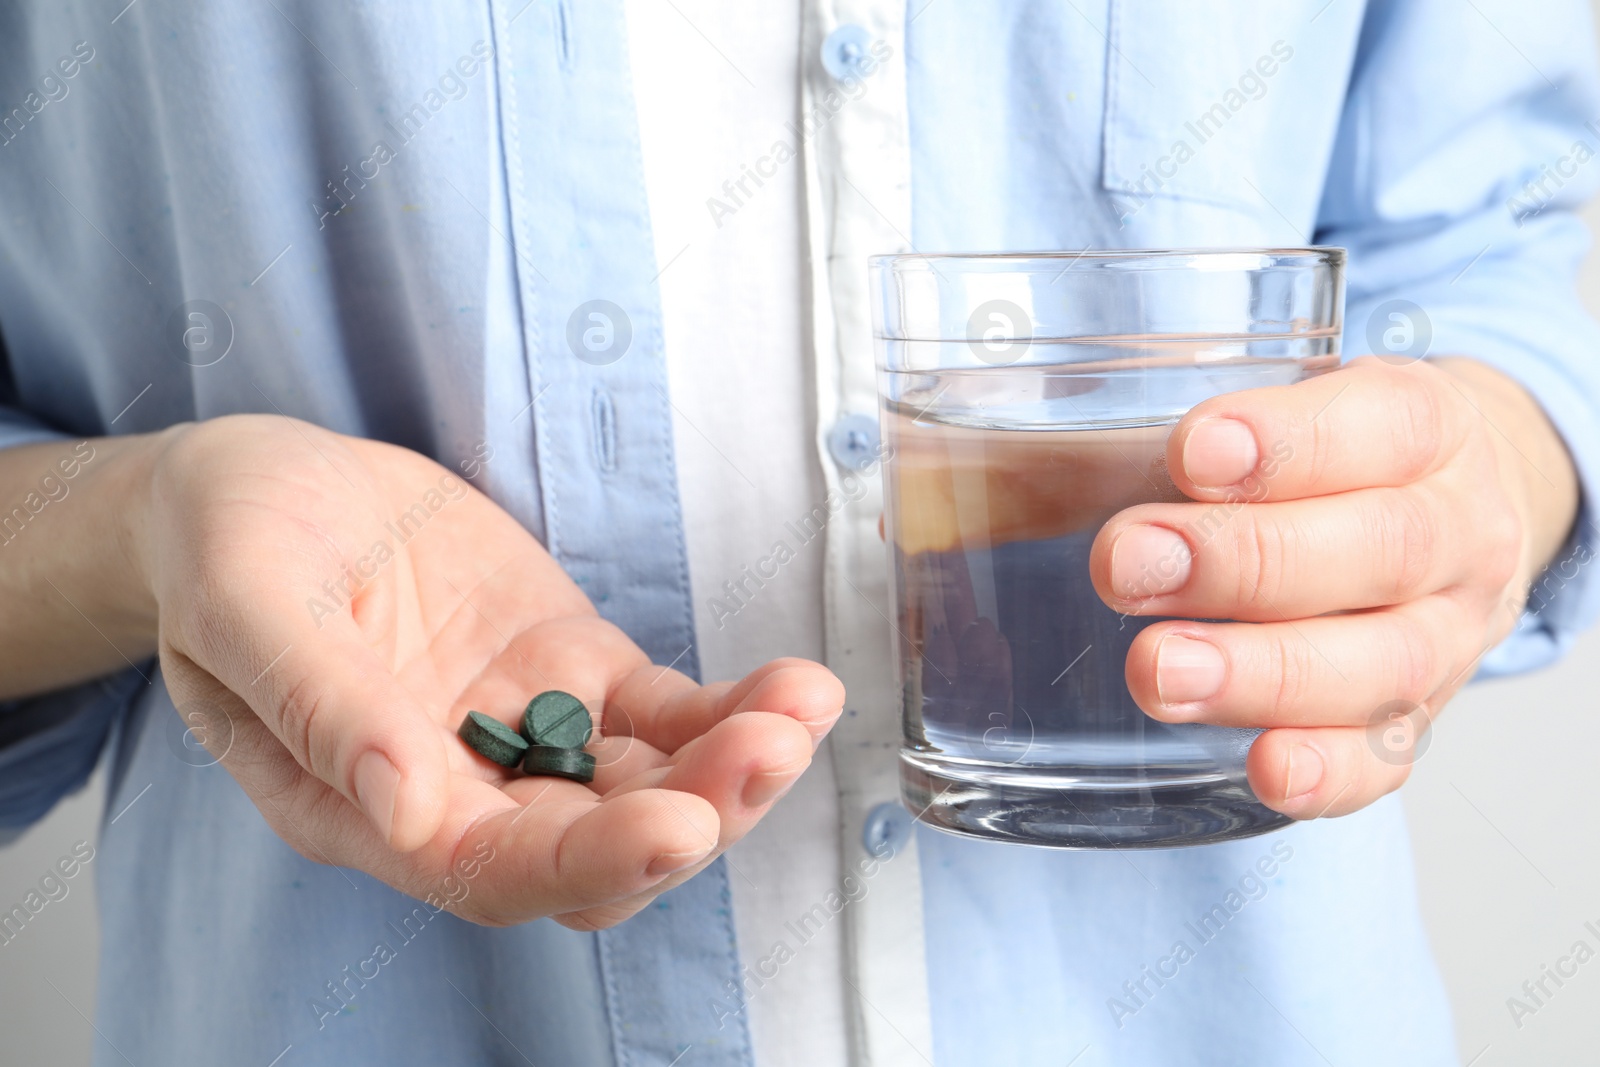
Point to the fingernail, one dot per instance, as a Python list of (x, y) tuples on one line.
[(763, 789), (377, 785), (672, 862), (1302, 771), (1219, 452), (1147, 560), (1187, 670)]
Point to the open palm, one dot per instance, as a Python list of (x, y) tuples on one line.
[(343, 603)]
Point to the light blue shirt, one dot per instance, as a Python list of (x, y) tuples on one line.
[(386, 216)]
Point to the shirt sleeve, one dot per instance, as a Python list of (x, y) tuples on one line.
[(1468, 143), (49, 744)]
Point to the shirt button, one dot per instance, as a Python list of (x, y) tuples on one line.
[(844, 51), (887, 829), (853, 442)]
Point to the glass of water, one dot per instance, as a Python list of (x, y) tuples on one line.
[(1025, 399)]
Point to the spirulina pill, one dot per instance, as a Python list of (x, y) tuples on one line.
[(571, 763), (492, 739), (556, 720)]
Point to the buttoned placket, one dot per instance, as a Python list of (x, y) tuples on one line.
[(858, 203)]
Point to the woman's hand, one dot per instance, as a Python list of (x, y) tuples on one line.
[(1372, 531), (329, 610)]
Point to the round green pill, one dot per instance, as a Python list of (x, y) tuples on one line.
[(557, 720), (571, 763), (492, 739)]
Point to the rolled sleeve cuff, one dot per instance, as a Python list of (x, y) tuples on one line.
[(49, 746), (18, 428)]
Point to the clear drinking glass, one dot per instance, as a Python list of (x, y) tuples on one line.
[(1026, 398)]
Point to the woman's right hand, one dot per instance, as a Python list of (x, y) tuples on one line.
[(327, 609)]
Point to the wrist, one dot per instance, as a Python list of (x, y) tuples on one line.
[(1535, 468), (73, 571), (131, 487)]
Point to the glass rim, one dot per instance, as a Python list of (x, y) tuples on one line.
[(1171, 293), (1312, 253)]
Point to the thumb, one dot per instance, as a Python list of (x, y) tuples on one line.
[(330, 700)]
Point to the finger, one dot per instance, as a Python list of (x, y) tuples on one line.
[(327, 697), (1330, 671), (1258, 562), (298, 806), (607, 915), (1365, 425), (539, 846), (742, 767), (668, 710), (739, 768), (545, 846), (612, 850), (559, 850), (1325, 772), (307, 813), (621, 758)]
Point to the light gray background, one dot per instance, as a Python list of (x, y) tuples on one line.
[(1507, 875)]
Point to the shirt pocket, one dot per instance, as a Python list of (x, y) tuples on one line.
[(1227, 104)]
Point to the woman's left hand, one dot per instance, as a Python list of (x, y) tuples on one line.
[(1372, 532)]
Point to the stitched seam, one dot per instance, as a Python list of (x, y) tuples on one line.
[(1111, 174), (608, 979), (516, 192), (746, 1045)]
